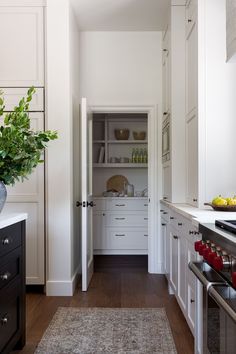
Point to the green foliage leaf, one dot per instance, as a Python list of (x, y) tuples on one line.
[(20, 148)]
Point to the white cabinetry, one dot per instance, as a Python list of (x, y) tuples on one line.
[(180, 235), (120, 226), (173, 64), (22, 42), (231, 29), (29, 196)]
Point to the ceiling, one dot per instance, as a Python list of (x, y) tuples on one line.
[(121, 15)]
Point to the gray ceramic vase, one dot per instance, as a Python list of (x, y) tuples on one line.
[(3, 195)]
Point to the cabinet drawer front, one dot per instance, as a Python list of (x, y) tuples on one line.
[(124, 204), (9, 314), (10, 267), (135, 240), (127, 220), (10, 238), (12, 96)]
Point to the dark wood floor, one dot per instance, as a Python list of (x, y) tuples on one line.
[(127, 286)]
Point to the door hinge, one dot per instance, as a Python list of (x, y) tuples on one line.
[(79, 204)]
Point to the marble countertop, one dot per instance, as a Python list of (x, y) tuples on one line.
[(7, 219), (198, 215)]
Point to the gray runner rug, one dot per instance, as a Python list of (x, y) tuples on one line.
[(108, 331)]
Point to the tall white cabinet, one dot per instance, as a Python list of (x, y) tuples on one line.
[(173, 122), (22, 66)]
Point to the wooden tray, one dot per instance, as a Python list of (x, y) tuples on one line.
[(116, 182), (231, 208)]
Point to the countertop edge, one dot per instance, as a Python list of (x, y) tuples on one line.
[(9, 219)]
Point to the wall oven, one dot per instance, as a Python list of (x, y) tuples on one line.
[(217, 274), (166, 140)]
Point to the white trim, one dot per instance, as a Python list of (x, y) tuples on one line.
[(22, 3), (63, 288), (154, 183)]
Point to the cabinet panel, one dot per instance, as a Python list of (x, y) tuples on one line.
[(174, 261), (192, 160), (12, 96), (22, 57), (182, 260), (167, 181), (191, 306)]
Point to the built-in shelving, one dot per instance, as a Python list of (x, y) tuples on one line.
[(120, 165)]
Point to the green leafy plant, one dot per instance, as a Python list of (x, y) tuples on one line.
[(20, 147)]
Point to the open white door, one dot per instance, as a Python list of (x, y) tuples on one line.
[(86, 192)]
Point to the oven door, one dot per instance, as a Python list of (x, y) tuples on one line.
[(219, 310)]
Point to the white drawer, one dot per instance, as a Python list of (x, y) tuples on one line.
[(126, 204), (12, 96), (127, 240), (127, 220)]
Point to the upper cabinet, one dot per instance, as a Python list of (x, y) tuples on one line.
[(231, 29), (22, 42), (173, 122)]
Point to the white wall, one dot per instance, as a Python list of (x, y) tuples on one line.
[(220, 86), (121, 67), (62, 108)]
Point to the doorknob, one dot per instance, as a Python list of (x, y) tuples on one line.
[(91, 204), (79, 204)]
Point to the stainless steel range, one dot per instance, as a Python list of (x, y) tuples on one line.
[(216, 270)]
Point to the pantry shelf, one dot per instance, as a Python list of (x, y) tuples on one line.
[(120, 165)]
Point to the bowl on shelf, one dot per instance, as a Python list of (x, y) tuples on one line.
[(122, 134), (222, 207), (139, 135)]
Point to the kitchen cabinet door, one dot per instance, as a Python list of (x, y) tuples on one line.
[(174, 261), (192, 159), (28, 197), (166, 169), (182, 270), (166, 247), (22, 43)]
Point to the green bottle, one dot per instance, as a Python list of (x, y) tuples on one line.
[(145, 156), (133, 158), (136, 155), (140, 157)]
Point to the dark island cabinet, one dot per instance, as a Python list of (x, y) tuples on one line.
[(12, 287)]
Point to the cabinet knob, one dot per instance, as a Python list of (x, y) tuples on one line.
[(194, 199), (163, 224), (171, 218), (5, 276), (180, 224), (5, 241), (103, 214), (189, 20), (192, 301), (175, 237), (4, 320)]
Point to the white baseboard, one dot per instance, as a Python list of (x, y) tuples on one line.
[(63, 288), (157, 269)]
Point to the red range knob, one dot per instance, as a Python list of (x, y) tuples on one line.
[(218, 263), (211, 256), (202, 247), (196, 245), (206, 252), (234, 279)]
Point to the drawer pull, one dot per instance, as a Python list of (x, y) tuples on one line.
[(120, 205), (165, 212), (4, 320), (6, 241), (145, 205), (192, 301), (120, 235), (163, 224), (171, 218), (5, 276), (180, 224), (120, 218), (145, 235), (145, 218)]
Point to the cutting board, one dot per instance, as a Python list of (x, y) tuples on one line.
[(117, 182)]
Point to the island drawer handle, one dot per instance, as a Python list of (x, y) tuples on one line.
[(120, 235), (145, 235), (4, 320), (145, 218), (5, 276), (6, 241), (120, 205), (120, 218)]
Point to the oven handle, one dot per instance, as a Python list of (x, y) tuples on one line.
[(201, 276), (222, 303)]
